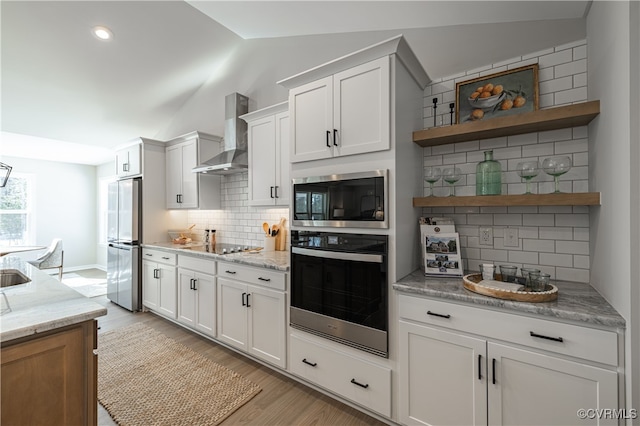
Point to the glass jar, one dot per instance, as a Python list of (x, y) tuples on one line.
[(488, 176)]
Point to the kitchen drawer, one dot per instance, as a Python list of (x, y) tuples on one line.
[(563, 338), (159, 256), (206, 266), (259, 276), (359, 381)]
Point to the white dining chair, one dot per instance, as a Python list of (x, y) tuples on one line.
[(52, 258)]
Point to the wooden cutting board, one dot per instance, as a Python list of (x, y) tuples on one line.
[(281, 238)]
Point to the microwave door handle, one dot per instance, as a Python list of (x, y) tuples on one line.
[(361, 257)]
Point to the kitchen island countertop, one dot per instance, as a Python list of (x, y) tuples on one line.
[(576, 301), (276, 260), (43, 304)]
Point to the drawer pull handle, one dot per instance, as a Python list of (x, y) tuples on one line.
[(541, 336), (438, 315), (148, 254), (166, 258), (243, 300), (479, 367), (493, 367), (264, 279), (313, 364), (359, 384), (231, 272)]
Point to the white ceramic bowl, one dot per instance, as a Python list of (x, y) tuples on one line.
[(486, 103)]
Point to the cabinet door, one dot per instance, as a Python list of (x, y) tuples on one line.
[(44, 380), (189, 179), (311, 109), (262, 161), (361, 112), (186, 298), (168, 304), (122, 162), (283, 165), (232, 313), (135, 160), (267, 325), (174, 176), (206, 304), (442, 377), (150, 286), (532, 388)]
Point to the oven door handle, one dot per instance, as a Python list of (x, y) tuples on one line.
[(340, 255)]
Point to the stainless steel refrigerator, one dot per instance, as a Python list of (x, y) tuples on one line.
[(123, 236)]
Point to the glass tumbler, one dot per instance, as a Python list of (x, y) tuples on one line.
[(508, 273), (526, 274), (540, 282)]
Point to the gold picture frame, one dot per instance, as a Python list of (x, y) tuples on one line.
[(497, 95)]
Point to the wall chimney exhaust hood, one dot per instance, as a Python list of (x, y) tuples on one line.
[(234, 158)]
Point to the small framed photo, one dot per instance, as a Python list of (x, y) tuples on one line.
[(501, 94), (441, 253)]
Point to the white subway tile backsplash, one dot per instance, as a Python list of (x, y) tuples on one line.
[(542, 246), (572, 247), (524, 257), (555, 58), (553, 238), (571, 68), (551, 259), (570, 274), (538, 219), (579, 94)]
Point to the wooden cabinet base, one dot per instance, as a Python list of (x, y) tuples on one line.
[(51, 378)]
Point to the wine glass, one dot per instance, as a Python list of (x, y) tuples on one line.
[(432, 175), (451, 176), (527, 170), (556, 167)]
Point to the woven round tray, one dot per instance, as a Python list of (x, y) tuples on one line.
[(471, 283)]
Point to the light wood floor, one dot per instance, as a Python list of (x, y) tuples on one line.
[(283, 401)]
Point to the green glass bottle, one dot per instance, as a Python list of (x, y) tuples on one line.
[(488, 176)]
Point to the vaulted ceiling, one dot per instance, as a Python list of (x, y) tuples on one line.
[(68, 96)]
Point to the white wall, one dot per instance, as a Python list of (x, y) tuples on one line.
[(614, 249), (65, 206)]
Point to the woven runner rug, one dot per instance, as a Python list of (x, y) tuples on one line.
[(146, 378)]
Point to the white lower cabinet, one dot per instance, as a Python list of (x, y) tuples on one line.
[(465, 365), (360, 381), (159, 290), (197, 294), (251, 311)]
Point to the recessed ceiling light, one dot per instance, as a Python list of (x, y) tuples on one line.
[(102, 33)]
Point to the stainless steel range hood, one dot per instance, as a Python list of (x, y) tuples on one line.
[(234, 157)]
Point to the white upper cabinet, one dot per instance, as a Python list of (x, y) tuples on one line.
[(343, 114), (185, 189), (129, 160), (268, 145)]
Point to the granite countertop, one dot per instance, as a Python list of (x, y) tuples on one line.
[(40, 305), (576, 301), (276, 260)]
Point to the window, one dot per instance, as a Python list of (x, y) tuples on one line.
[(16, 211)]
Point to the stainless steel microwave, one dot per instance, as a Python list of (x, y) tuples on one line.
[(350, 200)]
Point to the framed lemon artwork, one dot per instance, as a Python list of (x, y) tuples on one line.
[(497, 95)]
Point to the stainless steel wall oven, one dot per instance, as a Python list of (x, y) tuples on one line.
[(339, 285), (356, 200)]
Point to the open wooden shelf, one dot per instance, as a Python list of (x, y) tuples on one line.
[(573, 199), (535, 121)]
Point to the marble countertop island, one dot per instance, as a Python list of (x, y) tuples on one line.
[(576, 301), (42, 304), (276, 260)]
